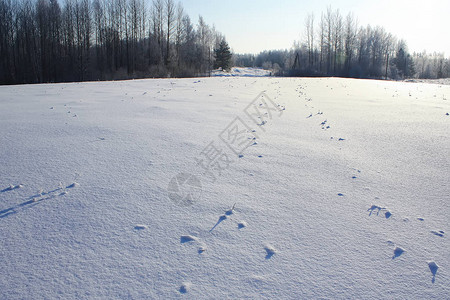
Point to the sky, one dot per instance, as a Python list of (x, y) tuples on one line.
[(251, 26)]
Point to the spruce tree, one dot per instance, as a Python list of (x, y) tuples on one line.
[(222, 56)]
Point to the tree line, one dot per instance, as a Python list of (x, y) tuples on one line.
[(337, 46), (45, 41)]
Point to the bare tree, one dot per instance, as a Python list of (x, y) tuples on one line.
[(337, 40), (350, 41), (7, 16), (180, 32), (170, 26), (322, 42), (329, 37), (310, 38), (157, 22)]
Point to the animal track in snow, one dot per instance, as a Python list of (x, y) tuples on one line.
[(433, 268), (187, 238), (438, 232), (223, 217), (270, 251), (12, 187), (73, 185), (242, 224), (185, 287), (377, 209), (35, 199), (397, 252), (191, 238), (140, 227)]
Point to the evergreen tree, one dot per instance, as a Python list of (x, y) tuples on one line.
[(405, 64), (222, 56)]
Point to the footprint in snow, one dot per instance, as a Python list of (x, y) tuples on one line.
[(242, 224), (270, 251), (433, 268), (438, 232), (377, 209), (140, 227), (185, 287), (12, 187), (397, 252), (33, 200), (187, 238), (190, 238), (231, 210), (73, 185), (223, 217)]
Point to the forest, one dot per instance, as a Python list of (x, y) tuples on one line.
[(80, 40), (338, 46)]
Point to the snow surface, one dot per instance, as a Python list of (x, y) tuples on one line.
[(343, 194)]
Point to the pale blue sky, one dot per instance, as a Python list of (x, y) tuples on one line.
[(252, 26)]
